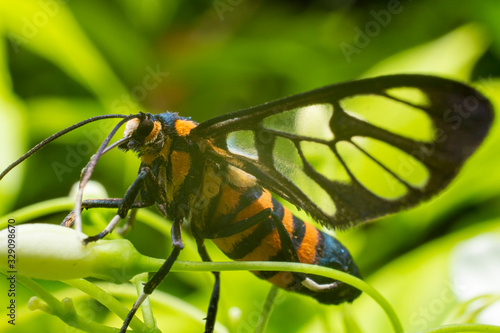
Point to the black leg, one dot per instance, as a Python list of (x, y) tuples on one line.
[(151, 285), (145, 176), (223, 231), (102, 203), (214, 299), (130, 222), (112, 203)]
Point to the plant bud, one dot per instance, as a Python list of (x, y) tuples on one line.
[(52, 252)]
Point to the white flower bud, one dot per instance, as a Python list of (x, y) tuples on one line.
[(53, 252)]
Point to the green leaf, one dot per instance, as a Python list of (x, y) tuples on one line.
[(12, 132), (49, 30), (453, 55), (419, 284)]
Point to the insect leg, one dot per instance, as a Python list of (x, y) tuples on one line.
[(145, 177), (102, 203), (223, 231), (129, 224), (214, 299), (151, 285), (291, 254), (112, 203), (314, 286)]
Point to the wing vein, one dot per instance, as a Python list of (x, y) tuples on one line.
[(383, 166), (296, 137)]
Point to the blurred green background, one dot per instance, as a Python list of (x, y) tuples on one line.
[(65, 61)]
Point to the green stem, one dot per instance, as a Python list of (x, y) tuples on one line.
[(165, 301), (296, 267), (459, 328), (487, 300), (37, 210), (64, 310), (333, 274), (267, 309), (147, 311), (107, 300), (55, 305)]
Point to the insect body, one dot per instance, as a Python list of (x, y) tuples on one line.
[(219, 174), (230, 207)]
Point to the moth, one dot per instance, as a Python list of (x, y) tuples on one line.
[(345, 154)]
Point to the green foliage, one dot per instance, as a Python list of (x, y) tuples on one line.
[(64, 61)]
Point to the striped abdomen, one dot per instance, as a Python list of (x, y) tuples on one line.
[(261, 242)]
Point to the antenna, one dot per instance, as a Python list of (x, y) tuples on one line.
[(89, 168), (55, 136)]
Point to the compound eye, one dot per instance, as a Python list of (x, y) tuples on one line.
[(144, 128)]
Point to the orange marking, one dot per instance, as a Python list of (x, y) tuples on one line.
[(306, 252), (148, 159), (165, 151), (265, 201), (288, 220), (154, 132), (226, 244), (307, 249), (270, 246), (282, 279), (184, 127), (228, 200), (181, 164)]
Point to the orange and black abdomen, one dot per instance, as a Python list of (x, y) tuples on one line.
[(261, 242)]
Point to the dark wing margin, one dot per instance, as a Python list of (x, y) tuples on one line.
[(457, 116)]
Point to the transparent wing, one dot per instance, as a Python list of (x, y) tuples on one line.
[(355, 151)]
